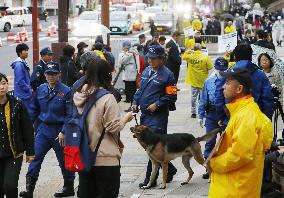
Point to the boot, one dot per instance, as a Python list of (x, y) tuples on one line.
[(30, 187), (67, 190)]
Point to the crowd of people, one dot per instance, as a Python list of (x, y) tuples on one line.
[(234, 93)]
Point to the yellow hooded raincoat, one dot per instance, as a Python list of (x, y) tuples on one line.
[(237, 168), (198, 67)]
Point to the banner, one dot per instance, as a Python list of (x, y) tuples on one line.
[(188, 31), (227, 42)]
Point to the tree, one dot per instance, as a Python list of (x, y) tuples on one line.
[(264, 3)]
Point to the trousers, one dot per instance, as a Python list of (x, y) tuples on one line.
[(195, 95)]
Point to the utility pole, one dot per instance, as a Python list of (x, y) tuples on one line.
[(35, 32), (105, 16), (62, 29)]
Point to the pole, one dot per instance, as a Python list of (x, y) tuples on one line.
[(62, 21), (105, 16), (35, 32)]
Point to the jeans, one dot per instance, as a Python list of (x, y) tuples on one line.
[(130, 89), (9, 175), (101, 182), (195, 95)]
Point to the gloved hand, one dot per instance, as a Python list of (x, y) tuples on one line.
[(200, 121)]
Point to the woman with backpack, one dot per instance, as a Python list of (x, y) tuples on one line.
[(103, 120)]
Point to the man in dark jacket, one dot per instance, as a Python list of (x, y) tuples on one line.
[(261, 88), (38, 77), (174, 55), (82, 46), (17, 137), (69, 72), (261, 36)]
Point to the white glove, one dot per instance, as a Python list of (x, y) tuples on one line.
[(200, 121)]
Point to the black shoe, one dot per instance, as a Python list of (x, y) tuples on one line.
[(171, 176), (205, 175), (30, 187), (67, 190), (141, 185), (193, 115)]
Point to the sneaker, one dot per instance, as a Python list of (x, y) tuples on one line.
[(193, 115), (205, 175), (141, 185)]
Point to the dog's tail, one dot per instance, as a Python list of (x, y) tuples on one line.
[(209, 135)]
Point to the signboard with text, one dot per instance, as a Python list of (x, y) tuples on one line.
[(227, 42)]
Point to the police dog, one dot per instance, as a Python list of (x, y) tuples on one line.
[(161, 149)]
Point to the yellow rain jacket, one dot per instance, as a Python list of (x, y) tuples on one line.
[(197, 24), (229, 29), (101, 54), (237, 167), (186, 23), (189, 43), (198, 66)]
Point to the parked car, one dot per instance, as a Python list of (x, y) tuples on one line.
[(137, 21), (139, 6), (120, 22), (20, 16), (150, 13), (164, 22), (87, 18), (5, 23)]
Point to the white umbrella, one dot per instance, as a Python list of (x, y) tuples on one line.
[(246, 6), (92, 30)]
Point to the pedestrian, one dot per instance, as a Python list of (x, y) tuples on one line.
[(103, 180), (267, 25), (129, 60), (237, 166), (162, 41), (257, 23), (189, 43), (217, 26), (239, 26), (198, 66), (173, 61), (37, 77), (69, 72), (156, 94), (278, 27), (248, 37), (261, 91), (197, 24), (82, 47), (208, 107), (266, 63), (51, 105), (17, 138), (261, 37), (98, 48), (22, 85), (229, 28)]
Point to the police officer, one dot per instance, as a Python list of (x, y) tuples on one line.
[(37, 77), (51, 100), (157, 92), (209, 108)]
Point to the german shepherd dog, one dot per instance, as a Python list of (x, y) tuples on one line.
[(161, 149)]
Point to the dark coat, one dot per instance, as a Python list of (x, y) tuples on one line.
[(265, 44), (69, 72), (174, 57), (22, 132)]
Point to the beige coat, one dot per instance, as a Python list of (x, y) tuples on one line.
[(105, 114)]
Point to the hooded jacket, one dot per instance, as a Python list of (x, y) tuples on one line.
[(104, 114), (237, 167), (261, 87), (22, 87), (69, 73)]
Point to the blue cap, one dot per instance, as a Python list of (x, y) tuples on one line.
[(155, 51), (221, 64), (46, 51), (52, 67)]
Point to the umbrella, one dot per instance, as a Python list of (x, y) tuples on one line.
[(246, 6), (228, 16), (92, 30), (256, 12)]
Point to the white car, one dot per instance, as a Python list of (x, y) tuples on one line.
[(5, 23), (87, 18), (139, 6), (20, 16), (150, 13)]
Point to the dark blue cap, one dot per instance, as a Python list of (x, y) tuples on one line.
[(52, 67), (46, 51), (221, 64), (155, 51)]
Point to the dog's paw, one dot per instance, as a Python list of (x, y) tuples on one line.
[(184, 183), (162, 186), (145, 187)]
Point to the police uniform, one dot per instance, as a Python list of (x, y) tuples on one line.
[(156, 87), (51, 111), (37, 77)]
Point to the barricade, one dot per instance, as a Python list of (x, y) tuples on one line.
[(11, 37)]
